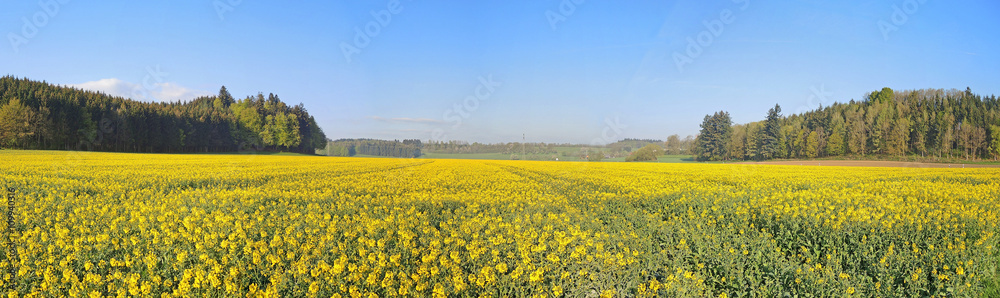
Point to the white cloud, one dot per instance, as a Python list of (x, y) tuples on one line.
[(165, 91)]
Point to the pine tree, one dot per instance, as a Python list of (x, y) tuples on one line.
[(711, 143), (771, 134)]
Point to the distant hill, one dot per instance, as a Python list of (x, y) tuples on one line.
[(39, 115)]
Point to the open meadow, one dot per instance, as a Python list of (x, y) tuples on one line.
[(109, 224)]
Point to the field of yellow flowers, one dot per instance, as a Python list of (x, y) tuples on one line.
[(105, 224)]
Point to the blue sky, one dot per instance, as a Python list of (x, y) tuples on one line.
[(556, 71)]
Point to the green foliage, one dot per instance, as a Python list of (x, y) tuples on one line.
[(738, 142), (712, 142), (857, 133), (673, 145), (55, 117), (991, 284), (921, 122), (883, 96), (812, 144), (334, 149), (646, 153), (753, 141), (372, 147), (836, 144), (629, 145), (281, 130), (17, 124), (771, 136), (452, 147)]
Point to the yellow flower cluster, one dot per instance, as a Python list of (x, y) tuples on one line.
[(105, 224)]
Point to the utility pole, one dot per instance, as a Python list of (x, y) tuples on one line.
[(522, 146)]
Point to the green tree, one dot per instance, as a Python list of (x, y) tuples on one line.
[(874, 120), (789, 138), (801, 136), (899, 136), (270, 135), (646, 153), (67, 118), (918, 133), (857, 132), (712, 140), (972, 139), (979, 141), (737, 143), (946, 137), (770, 140), (883, 96), (225, 98), (673, 144), (753, 132), (835, 145), (316, 139), (288, 130), (812, 145), (17, 124)]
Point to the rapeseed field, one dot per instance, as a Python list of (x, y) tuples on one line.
[(106, 224)]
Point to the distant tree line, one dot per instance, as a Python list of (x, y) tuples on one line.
[(503, 148), (928, 123), (39, 115), (627, 145), (352, 147)]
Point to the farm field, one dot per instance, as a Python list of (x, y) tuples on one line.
[(109, 224)]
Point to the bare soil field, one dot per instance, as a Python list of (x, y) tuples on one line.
[(869, 163)]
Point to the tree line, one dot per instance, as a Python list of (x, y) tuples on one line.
[(627, 145), (416, 148), (39, 115), (673, 146), (454, 146), (352, 147), (931, 123)]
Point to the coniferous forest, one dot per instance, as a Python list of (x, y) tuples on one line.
[(39, 115), (930, 123)]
